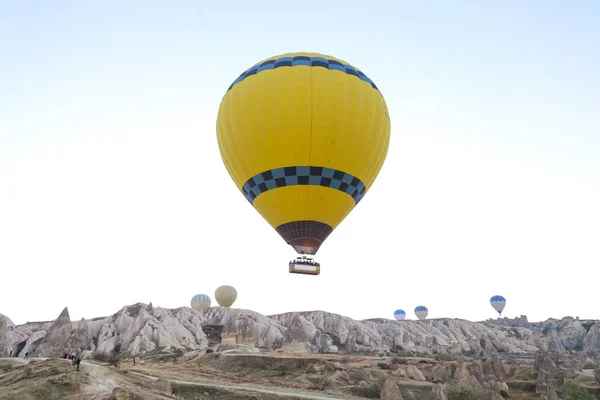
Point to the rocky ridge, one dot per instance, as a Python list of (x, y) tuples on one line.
[(141, 329)]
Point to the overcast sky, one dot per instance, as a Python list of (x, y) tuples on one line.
[(112, 189)]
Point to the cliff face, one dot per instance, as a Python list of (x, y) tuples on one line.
[(142, 328)]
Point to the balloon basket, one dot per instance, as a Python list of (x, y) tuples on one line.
[(305, 266)]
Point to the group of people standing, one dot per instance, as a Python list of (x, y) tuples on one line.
[(75, 361)]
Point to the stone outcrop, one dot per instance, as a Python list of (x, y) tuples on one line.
[(142, 328), (550, 378), (54, 341), (247, 326), (591, 341), (565, 335), (12, 339), (390, 389), (519, 322), (6, 321)]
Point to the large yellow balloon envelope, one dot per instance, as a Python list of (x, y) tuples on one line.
[(303, 135)]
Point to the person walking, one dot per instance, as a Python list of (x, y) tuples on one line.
[(78, 361)]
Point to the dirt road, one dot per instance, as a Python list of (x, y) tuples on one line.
[(291, 393)]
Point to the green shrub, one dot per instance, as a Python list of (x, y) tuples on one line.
[(100, 356), (371, 389), (575, 391)]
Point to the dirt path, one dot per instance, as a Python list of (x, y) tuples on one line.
[(101, 382), (283, 393), (588, 372)]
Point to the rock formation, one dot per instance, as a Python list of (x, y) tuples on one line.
[(142, 329), (5, 320), (550, 378), (54, 341), (390, 389)]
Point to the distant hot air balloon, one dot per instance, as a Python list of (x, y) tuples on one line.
[(399, 315), (498, 302), (303, 136), (226, 295), (200, 301), (421, 312)]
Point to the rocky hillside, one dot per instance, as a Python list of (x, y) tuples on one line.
[(141, 329)]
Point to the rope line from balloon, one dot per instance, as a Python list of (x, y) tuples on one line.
[(304, 175), (306, 61)]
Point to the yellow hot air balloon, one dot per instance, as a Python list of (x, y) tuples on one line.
[(226, 295), (303, 136)]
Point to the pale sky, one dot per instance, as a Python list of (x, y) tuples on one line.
[(112, 189)]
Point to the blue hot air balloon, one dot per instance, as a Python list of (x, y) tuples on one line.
[(399, 315), (421, 312), (498, 302)]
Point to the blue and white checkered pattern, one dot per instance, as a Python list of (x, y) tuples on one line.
[(304, 61), (304, 175)]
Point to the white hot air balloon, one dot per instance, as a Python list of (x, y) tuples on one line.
[(421, 312), (498, 302), (399, 315), (200, 302)]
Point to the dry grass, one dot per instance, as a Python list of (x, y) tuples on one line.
[(44, 380)]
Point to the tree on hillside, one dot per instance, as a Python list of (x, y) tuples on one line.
[(115, 357), (176, 354)]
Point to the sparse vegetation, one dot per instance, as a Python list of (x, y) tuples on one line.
[(576, 391), (463, 393), (99, 356), (372, 388), (357, 375)]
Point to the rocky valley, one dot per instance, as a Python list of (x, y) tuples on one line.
[(152, 352)]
